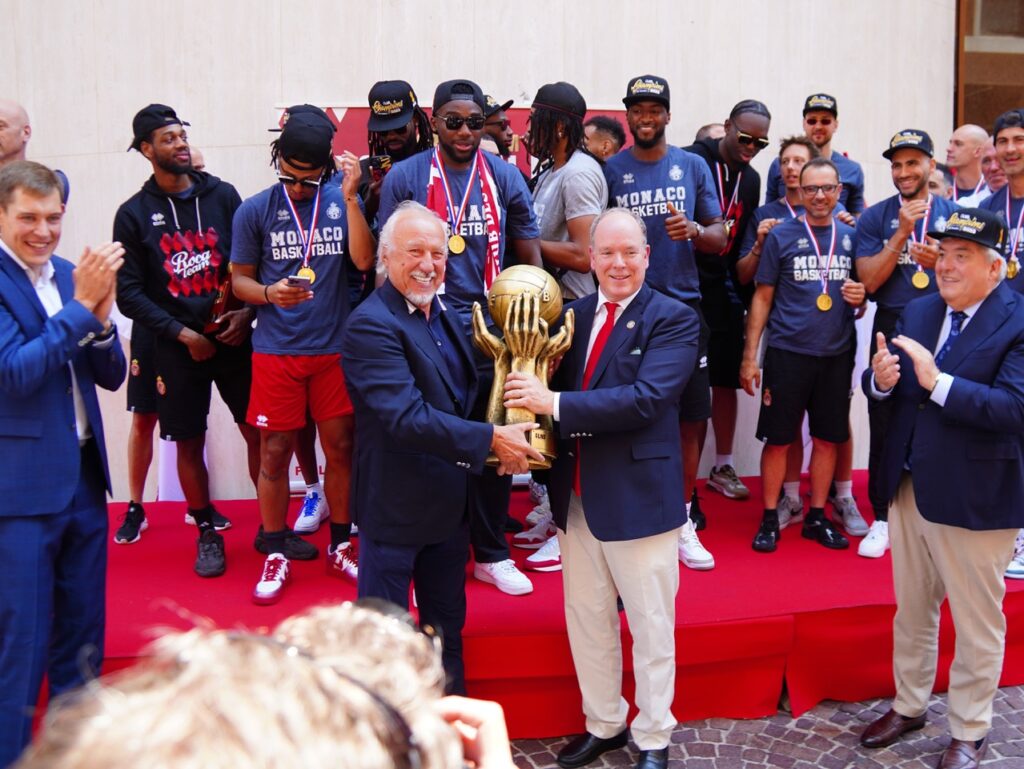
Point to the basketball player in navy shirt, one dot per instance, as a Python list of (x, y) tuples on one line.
[(1008, 202), (673, 192), (805, 298)]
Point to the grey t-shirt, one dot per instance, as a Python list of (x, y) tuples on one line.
[(576, 189)]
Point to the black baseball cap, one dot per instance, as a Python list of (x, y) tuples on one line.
[(391, 105), (821, 102), (299, 109), (976, 225), (306, 136), (453, 90), (646, 88), (150, 118), (493, 107), (910, 138), (561, 97)]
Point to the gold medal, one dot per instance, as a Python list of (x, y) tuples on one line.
[(456, 244), (307, 272), (920, 279), (824, 302), (1012, 268)]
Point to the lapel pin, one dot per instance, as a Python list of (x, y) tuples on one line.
[(631, 324)]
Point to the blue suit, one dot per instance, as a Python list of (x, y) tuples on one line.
[(414, 452), (967, 456), (626, 423), (53, 520)]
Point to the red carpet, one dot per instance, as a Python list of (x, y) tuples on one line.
[(818, 621)]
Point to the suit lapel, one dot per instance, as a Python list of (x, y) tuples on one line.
[(990, 315), (457, 332), (20, 280), (625, 330), (576, 358)]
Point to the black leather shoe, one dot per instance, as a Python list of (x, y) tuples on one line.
[(884, 731), (767, 538), (583, 749), (295, 547), (824, 532), (513, 525), (653, 759)]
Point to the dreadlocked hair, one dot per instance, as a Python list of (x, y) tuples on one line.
[(544, 124), (421, 124), (327, 162)]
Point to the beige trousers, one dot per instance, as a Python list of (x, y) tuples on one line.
[(645, 573), (930, 562)]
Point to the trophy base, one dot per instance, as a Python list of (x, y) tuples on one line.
[(540, 439)]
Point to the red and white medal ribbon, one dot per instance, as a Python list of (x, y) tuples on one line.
[(824, 267), (1015, 234), (727, 210), (455, 220), (307, 239), (924, 227)]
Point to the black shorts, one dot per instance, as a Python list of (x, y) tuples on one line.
[(142, 371), (793, 383), (724, 316), (183, 386), (695, 402)]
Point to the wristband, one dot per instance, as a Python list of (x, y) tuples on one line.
[(890, 248), (266, 294), (105, 334)]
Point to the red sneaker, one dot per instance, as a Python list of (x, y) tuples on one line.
[(343, 562)]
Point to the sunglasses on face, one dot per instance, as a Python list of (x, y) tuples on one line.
[(455, 122), (400, 131), (746, 139), (811, 190), (825, 121), (291, 181), (502, 125)]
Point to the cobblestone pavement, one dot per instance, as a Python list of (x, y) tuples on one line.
[(823, 738)]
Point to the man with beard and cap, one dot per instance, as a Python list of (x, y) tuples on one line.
[(486, 205), (953, 471), (176, 233), (821, 120), (497, 126), (289, 257), (569, 191), (673, 192), (895, 259), (963, 157), (723, 299)]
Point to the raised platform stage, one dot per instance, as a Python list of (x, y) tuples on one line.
[(813, 621)]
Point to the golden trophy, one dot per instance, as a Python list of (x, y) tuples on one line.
[(523, 302)]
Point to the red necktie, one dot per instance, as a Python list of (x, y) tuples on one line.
[(588, 372)]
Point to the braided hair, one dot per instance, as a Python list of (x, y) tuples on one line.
[(544, 126), (421, 124)]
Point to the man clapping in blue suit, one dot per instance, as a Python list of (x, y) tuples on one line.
[(56, 344), (953, 470), (616, 488)]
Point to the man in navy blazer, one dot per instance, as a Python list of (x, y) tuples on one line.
[(56, 344), (616, 488), (410, 373), (953, 468)]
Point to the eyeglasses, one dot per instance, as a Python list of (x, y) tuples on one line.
[(455, 122), (810, 190), (746, 139), (291, 181), (501, 125), (825, 121)]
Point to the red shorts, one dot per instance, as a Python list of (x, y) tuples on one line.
[(283, 386)]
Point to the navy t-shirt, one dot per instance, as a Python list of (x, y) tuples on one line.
[(850, 174), (265, 234), (777, 209), (464, 277), (682, 179), (996, 202), (789, 262), (876, 226)]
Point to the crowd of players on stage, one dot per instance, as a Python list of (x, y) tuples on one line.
[(259, 297)]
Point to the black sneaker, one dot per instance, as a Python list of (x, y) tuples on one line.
[(210, 554), (132, 525), (824, 532), (295, 547), (220, 523), (700, 521)]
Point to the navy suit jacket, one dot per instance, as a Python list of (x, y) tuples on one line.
[(967, 457), (38, 436), (414, 446), (626, 424)]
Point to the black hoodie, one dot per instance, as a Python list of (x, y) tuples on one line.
[(177, 250)]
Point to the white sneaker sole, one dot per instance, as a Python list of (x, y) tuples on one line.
[(144, 526), (724, 491), (696, 565), (548, 567), (862, 552)]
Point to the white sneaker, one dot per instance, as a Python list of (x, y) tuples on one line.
[(505, 576), (849, 516), (541, 511), (790, 510), (691, 552), (313, 512), (1016, 568), (876, 542), (272, 581), (548, 558), (535, 537)]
